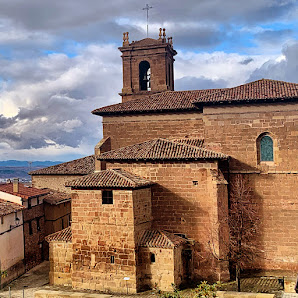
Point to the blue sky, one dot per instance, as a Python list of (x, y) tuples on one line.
[(59, 60)]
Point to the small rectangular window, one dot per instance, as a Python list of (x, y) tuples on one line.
[(107, 197), (152, 258), (38, 224), (29, 204), (62, 223), (2, 220), (112, 259), (30, 227)]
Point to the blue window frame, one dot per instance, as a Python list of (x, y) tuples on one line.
[(266, 149)]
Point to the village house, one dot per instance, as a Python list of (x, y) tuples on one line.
[(11, 240), (144, 213), (43, 211)]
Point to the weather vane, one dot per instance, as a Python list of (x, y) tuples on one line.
[(147, 8)]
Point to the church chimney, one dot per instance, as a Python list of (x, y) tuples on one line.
[(15, 185)]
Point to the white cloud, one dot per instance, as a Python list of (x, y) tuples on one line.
[(218, 66)]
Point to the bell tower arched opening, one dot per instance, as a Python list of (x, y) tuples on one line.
[(145, 76)]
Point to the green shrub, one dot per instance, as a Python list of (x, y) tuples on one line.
[(205, 290)]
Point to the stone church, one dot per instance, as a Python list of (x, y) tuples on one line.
[(147, 203)]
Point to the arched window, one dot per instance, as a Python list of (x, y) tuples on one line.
[(266, 148), (144, 75)]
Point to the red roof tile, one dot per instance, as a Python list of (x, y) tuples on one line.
[(189, 141), (158, 102), (160, 239), (7, 207), (56, 197), (161, 149), (63, 235), (24, 192), (81, 166), (114, 178), (185, 100), (258, 90)]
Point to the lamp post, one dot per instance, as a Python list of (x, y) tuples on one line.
[(126, 279)]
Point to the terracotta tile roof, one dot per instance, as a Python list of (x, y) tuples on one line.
[(259, 90), (81, 166), (114, 178), (160, 239), (63, 235), (7, 207), (158, 102), (24, 192), (161, 149), (189, 141), (56, 197), (185, 100)]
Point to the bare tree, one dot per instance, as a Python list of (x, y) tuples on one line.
[(243, 225)]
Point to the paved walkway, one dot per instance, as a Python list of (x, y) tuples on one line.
[(31, 281), (38, 279)]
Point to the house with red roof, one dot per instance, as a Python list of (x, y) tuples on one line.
[(149, 208), (12, 241)]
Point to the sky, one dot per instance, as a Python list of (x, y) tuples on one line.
[(59, 60)]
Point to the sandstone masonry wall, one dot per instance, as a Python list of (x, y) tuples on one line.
[(60, 263), (56, 182), (159, 274), (234, 130), (185, 200), (137, 129), (104, 240)]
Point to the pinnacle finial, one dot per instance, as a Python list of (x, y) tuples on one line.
[(125, 38), (160, 33)]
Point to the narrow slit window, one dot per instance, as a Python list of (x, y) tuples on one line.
[(107, 197), (38, 224), (112, 260), (266, 149), (152, 258)]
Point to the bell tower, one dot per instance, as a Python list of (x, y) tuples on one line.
[(147, 66)]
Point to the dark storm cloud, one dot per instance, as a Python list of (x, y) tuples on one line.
[(195, 37), (246, 61), (193, 83), (6, 122), (56, 15), (284, 70)]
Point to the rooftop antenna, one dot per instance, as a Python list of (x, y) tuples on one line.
[(147, 8)]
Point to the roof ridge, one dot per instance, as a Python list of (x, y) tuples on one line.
[(239, 86), (153, 143), (110, 151), (170, 242), (199, 148), (123, 176)]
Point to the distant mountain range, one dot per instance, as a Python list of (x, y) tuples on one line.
[(22, 163), (19, 169)]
